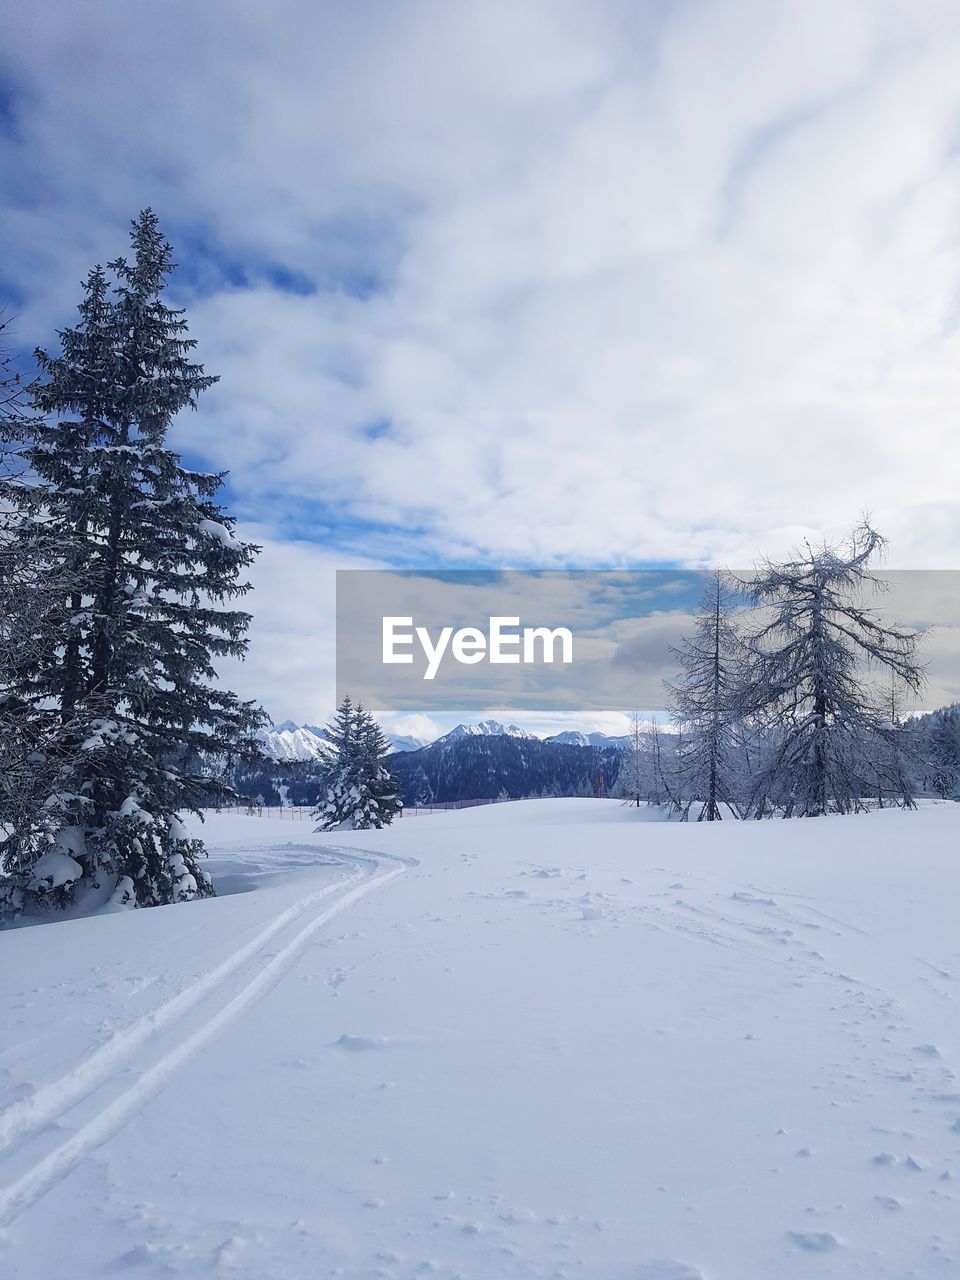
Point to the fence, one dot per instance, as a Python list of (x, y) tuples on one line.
[(304, 812), (443, 805), (285, 812)]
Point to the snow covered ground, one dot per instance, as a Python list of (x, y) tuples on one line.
[(540, 1039)]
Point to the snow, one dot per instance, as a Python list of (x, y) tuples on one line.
[(573, 738), (178, 829), (72, 840), (186, 885), (541, 1039), (292, 741), (53, 869), (486, 729), (213, 529), (404, 742), (131, 808), (124, 895)]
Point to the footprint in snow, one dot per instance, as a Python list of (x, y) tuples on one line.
[(815, 1241), (357, 1043), (516, 1216), (665, 1269)]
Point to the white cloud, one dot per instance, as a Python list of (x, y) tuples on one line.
[(290, 666), (629, 283)]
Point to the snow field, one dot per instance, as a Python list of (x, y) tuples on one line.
[(557, 1040)]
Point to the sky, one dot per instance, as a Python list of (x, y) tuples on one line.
[(543, 285)]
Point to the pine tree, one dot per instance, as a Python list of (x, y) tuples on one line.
[(704, 700), (149, 560), (341, 773), (382, 801), (30, 616), (808, 686), (359, 791), (631, 784)]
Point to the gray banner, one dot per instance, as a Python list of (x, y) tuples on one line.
[(564, 641)]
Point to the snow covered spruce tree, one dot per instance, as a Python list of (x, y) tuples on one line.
[(29, 730), (358, 791), (148, 560), (705, 703), (827, 733), (31, 613)]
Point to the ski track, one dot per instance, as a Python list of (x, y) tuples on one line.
[(30, 1114), (26, 1119)]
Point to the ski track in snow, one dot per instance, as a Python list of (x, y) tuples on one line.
[(31, 1116)]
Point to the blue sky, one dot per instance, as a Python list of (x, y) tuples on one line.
[(540, 285)]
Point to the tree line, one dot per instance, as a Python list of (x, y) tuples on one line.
[(788, 698)]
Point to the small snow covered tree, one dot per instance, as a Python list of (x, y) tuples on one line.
[(358, 790), (705, 702), (665, 767), (632, 781), (382, 787), (808, 687), (936, 739), (146, 560), (340, 779), (892, 752)]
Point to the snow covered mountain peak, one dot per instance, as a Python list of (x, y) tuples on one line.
[(486, 729), (290, 741), (573, 738)]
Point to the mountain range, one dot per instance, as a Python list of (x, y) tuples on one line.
[(485, 766), (289, 741)]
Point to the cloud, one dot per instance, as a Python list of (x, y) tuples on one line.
[(544, 284), (291, 662)]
